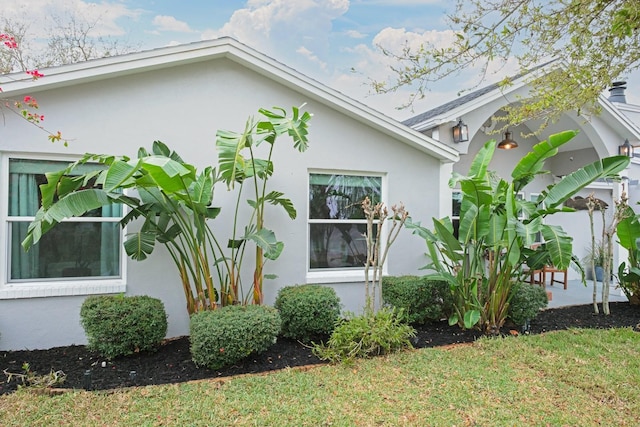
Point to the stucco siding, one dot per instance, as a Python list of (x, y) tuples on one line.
[(183, 107)]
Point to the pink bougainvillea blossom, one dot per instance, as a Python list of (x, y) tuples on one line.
[(35, 74), (9, 41)]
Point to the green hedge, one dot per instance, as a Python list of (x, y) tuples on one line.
[(308, 312), (422, 299), (224, 336), (526, 302), (118, 325)]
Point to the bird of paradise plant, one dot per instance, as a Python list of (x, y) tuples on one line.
[(175, 202)]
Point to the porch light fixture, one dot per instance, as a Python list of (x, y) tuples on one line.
[(626, 149), (460, 132), (507, 143)]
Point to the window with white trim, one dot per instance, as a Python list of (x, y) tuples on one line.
[(336, 221), (88, 247)]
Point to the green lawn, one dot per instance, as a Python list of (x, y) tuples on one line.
[(570, 378)]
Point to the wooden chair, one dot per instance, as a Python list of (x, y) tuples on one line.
[(536, 277), (553, 270)]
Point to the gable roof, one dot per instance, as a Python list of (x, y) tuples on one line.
[(18, 84), (464, 104)]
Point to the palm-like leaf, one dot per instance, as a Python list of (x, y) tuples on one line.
[(532, 163), (558, 245), (139, 245), (275, 198), (574, 182), (628, 230), (231, 163), (295, 126)]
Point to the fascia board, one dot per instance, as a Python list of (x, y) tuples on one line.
[(625, 124)]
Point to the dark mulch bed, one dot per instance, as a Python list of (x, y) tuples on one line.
[(172, 363)]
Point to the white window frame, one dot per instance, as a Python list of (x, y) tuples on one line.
[(46, 287), (339, 275)]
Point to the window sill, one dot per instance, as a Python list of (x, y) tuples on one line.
[(76, 288), (337, 276)]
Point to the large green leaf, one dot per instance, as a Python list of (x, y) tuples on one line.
[(497, 230), (482, 159), (139, 245), (201, 191), (532, 163), (628, 230), (73, 205), (120, 174), (265, 239), (275, 198), (558, 244), (168, 174), (574, 182), (77, 204), (231, 163), (471, 317), (295, 125)]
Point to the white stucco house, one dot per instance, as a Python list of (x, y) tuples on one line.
[(182, 95), (599, 136)]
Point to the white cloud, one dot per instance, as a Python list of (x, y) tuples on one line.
[(311, 57), (169, 23), (279, 27), (355, 34)]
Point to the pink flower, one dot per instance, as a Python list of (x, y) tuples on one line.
[(35, 74), (8, 41)]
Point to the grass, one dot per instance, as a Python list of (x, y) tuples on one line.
[(576, 377)]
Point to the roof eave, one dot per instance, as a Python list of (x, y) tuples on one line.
[(99, 69)]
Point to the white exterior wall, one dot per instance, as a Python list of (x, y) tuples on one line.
[(183, 107)]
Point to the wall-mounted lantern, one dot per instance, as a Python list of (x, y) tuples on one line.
[(626, 149), (460, 132)]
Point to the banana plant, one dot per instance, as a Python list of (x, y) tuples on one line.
[(628, 231), (238, 165), (173, 199), (493, 242), (174, 202)]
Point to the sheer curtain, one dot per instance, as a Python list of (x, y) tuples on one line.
[(23, 201), (51, 257)]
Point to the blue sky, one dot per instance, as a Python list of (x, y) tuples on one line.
[(332, 41)]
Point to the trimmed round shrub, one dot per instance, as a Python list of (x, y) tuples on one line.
[(224, 336), (420, 298), (118, 325), (308, 312), (526, 302)]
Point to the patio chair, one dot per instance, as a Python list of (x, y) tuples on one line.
[(553, 270), (536, 277)]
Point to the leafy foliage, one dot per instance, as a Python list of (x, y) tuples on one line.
[(594, 43), (118, 325), (367, 335), (526, 302), (175, 202), (238, 165), (421, 299), (628, 231), (493, 243), (225, 336), (308, 312)]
